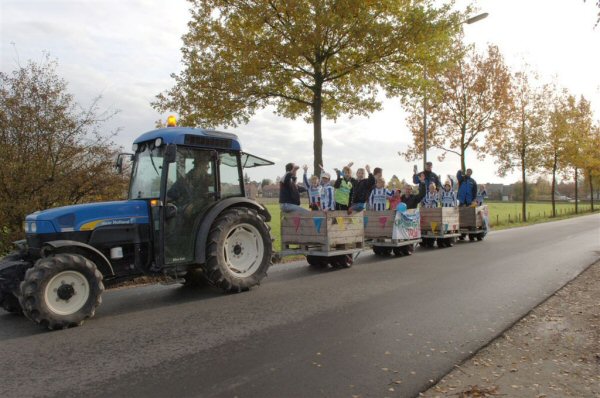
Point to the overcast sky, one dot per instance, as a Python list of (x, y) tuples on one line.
[(125, 51)]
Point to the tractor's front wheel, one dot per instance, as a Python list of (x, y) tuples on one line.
[(238, 250), (61, 291)]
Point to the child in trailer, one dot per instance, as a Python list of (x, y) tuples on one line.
[(431, 199), (314, 189), (409, 198), (360, 195), (363, 188), (395, 199), (378, 199), (328, 193), (447, 195), (481, 194), (344, 186)]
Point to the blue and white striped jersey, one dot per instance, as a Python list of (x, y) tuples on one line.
[(378, 198), (430, 200), (327, 197), (314, 194), (448, 198)]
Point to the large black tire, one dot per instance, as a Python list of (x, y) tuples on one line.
[(472, 237), (398, 250), (8, 300), (61, 291), (239, 250)]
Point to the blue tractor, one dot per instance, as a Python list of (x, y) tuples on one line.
[(187, 216)]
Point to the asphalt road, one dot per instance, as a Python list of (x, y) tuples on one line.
[(386, 327)]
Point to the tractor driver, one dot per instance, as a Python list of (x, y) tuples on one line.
[(191, 191)]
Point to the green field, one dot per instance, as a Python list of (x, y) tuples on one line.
[(502, 215)]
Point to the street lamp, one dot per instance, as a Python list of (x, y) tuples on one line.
[(468, 21)]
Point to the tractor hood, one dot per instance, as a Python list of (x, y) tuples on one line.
[(87, 217)]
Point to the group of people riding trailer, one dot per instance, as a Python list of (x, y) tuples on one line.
[(403, 218)]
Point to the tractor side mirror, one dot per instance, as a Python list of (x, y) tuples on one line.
[(119, 161), (171, 153), (119, 164)]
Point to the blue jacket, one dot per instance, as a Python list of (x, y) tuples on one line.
[(430, 177), (467, 189)]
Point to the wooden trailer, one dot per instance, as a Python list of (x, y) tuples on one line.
[(325, 238), (474, 222), (389, 231), (439, 224)]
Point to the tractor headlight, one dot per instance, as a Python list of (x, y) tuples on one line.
[(134, 147), (24, 226), (158, 142), (33, 228)]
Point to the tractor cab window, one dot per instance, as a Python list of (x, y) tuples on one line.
[(191, 175), (230, 177), (145, 176)]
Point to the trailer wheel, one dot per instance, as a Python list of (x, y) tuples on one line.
[(238, 251), (472, 237), (377, 250), (480, 237), (317, 261), (343, 261), (382, 251), (408, 249), (427, 242), (61, 291), (398, 251)]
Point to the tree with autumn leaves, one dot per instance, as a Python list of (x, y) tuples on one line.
[(304, 58), (53, 151), (518, 145), (465, 101)]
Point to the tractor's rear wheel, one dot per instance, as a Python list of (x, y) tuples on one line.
[(61, 291), (238, 250)]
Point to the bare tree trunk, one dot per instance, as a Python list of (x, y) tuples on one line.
[(524, 200), (554, 185), (591, 190), (576, 194), (523, 176), (318, 137)]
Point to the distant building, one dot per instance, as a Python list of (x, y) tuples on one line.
[(252, 189), (270, 191), (499, 192)]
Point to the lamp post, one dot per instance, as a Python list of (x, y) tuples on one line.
[(468, 21)]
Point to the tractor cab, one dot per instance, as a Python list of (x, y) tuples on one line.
[(183, 173)]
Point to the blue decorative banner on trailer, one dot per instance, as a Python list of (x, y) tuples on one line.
[(318, 221)]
